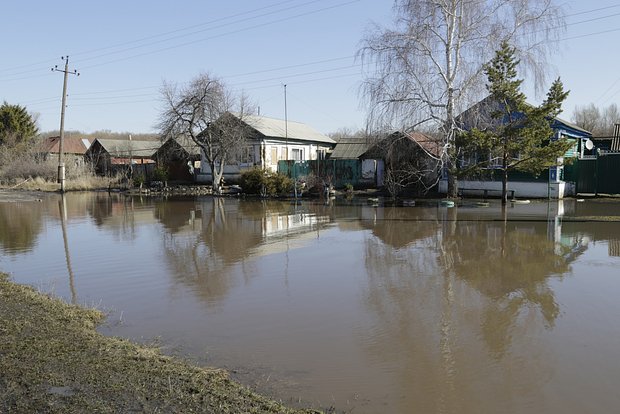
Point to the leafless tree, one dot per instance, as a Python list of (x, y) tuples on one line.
[(587, 117), (598, 122), (610, 117), (428, 66), (211, 115)]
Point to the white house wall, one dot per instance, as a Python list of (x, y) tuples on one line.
[(267, 153), (521, 189)]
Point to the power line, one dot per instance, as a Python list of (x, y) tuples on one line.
[(45, 62), (215, 21), (19, 73), (185, 28), (200, 31), (615, 6), (245, 29)]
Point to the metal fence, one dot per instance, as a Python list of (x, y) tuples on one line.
[(597, 175), (338, 172)]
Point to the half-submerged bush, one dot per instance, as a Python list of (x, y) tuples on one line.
[(264, 182)]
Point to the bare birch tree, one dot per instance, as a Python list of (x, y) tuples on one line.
[(429, 65), (210, 114)]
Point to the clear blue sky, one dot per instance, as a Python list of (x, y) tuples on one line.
[(125, 49)]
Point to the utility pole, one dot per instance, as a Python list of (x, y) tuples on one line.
[(130, 159), (285, 123), (61, 164)]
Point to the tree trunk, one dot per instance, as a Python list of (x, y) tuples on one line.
[(505, 180), (451, 163), (216, 178), (450, 139)]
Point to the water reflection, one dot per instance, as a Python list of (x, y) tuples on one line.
[(430, 319), (425, 309), (20, 224), (62, 207), (223, 233)]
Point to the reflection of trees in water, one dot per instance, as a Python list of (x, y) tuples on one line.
[(174, 215), (101, 207), (20, 225), (212, 258), (120, 214), (510, 264), (205, 259), (429, 322)]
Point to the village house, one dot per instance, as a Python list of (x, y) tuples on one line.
[(180, 158), (550, 184), (271, 140), (109, 156), (73, 149), (408, 160)]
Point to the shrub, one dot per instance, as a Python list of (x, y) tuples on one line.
[(265, 183), (160, 174), (138, 180)]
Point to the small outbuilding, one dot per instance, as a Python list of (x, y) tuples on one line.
[(109, 156)]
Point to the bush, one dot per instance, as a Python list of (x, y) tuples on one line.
[(264, 182), (160, 174)]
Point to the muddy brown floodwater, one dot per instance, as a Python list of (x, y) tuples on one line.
[(364, 308)]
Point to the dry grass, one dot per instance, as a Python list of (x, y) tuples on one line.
[(54, 361)]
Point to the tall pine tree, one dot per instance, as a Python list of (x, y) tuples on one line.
[(516, 135)]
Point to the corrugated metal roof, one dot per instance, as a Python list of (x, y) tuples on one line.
[(429, 144), (350, 148), (122, 148), (70, 145), (278, 128), (188, 145)]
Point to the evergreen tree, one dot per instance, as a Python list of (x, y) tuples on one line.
[(517, 135), (16, 125)]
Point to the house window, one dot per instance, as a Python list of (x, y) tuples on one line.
[(298, 154), (274, 155), (246, 156)]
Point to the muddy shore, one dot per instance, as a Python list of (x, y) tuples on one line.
[(53, 360)]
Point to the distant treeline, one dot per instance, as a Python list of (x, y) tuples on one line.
[(105, 134)]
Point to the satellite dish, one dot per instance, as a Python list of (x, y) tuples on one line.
[(589, 144)]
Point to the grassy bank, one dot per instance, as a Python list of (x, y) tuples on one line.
[(85, 183), (53, 360)]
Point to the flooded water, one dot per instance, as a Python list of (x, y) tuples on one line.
[(359, 307)]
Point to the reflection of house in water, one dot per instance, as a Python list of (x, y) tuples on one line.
[(278, 224), (266, 226), (614, 248)]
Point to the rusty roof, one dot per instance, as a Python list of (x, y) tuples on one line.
[(70, 145), (429, 144)]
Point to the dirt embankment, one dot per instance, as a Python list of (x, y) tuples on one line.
[(53, 360)]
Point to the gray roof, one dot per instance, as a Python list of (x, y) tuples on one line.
[(188, 145), (278, 128), (123, 147), (350, 148)]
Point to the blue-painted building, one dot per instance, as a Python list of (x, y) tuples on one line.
[(550, 184)]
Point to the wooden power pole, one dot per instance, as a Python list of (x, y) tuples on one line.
[(61, 164)]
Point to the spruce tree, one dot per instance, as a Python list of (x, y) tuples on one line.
[(517, 135)]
